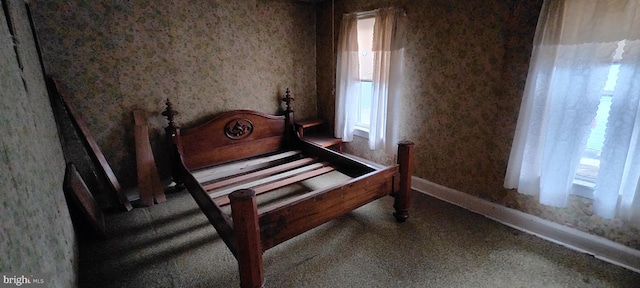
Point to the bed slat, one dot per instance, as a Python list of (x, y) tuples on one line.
[(262, 181), (259, 173), (279, 184), (217, 172)]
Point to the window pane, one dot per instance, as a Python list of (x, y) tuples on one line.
[(612, 78), (365, 44), (364, 111), (590, 161)]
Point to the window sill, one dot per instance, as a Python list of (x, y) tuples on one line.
[(361, 132), (582, 188)]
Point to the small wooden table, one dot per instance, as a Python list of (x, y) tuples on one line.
[(317, 133)]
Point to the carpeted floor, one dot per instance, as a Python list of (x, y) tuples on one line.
[(441, 245)]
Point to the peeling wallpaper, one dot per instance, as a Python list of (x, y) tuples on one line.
[(36, 233), (466, 64), (206, 56)]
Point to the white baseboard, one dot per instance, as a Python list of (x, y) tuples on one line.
[(572, 238)]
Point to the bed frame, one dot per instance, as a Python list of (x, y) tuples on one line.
[(237, 155)]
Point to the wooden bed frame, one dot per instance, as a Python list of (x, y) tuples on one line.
[(223, 154)]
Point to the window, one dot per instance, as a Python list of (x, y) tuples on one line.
[(589, 166), (579, 122), (365, 61), (369, 76)]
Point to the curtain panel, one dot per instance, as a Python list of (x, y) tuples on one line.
[(347, 78), (569, 66), (388, 54)]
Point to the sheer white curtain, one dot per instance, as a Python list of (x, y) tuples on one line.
[(573, 50), (388, 51), (347, 78)]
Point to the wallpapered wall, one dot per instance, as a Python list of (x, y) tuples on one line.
[(465, 68), (206, 56), (36, 233), (466, 64)]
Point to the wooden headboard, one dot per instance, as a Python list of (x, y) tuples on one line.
[(230, 136)]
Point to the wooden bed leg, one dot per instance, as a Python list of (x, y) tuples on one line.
[(244, 212), (403, 197)]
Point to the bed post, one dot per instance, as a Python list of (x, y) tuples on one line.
[(244, 212), (288, 114), (403, 196), (170, 132)]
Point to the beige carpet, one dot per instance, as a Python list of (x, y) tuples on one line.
[(173, 245)]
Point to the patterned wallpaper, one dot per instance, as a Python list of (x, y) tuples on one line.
[(466, 65), (36, 233), (206, 56)]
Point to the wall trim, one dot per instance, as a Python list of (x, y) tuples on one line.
[(572, 238)]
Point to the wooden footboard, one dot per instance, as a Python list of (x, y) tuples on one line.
[(259, 232), (240, 154)]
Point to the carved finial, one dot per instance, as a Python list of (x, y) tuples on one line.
[(170, 113), (287, 99)]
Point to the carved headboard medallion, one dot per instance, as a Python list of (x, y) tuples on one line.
[(238, 128)]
